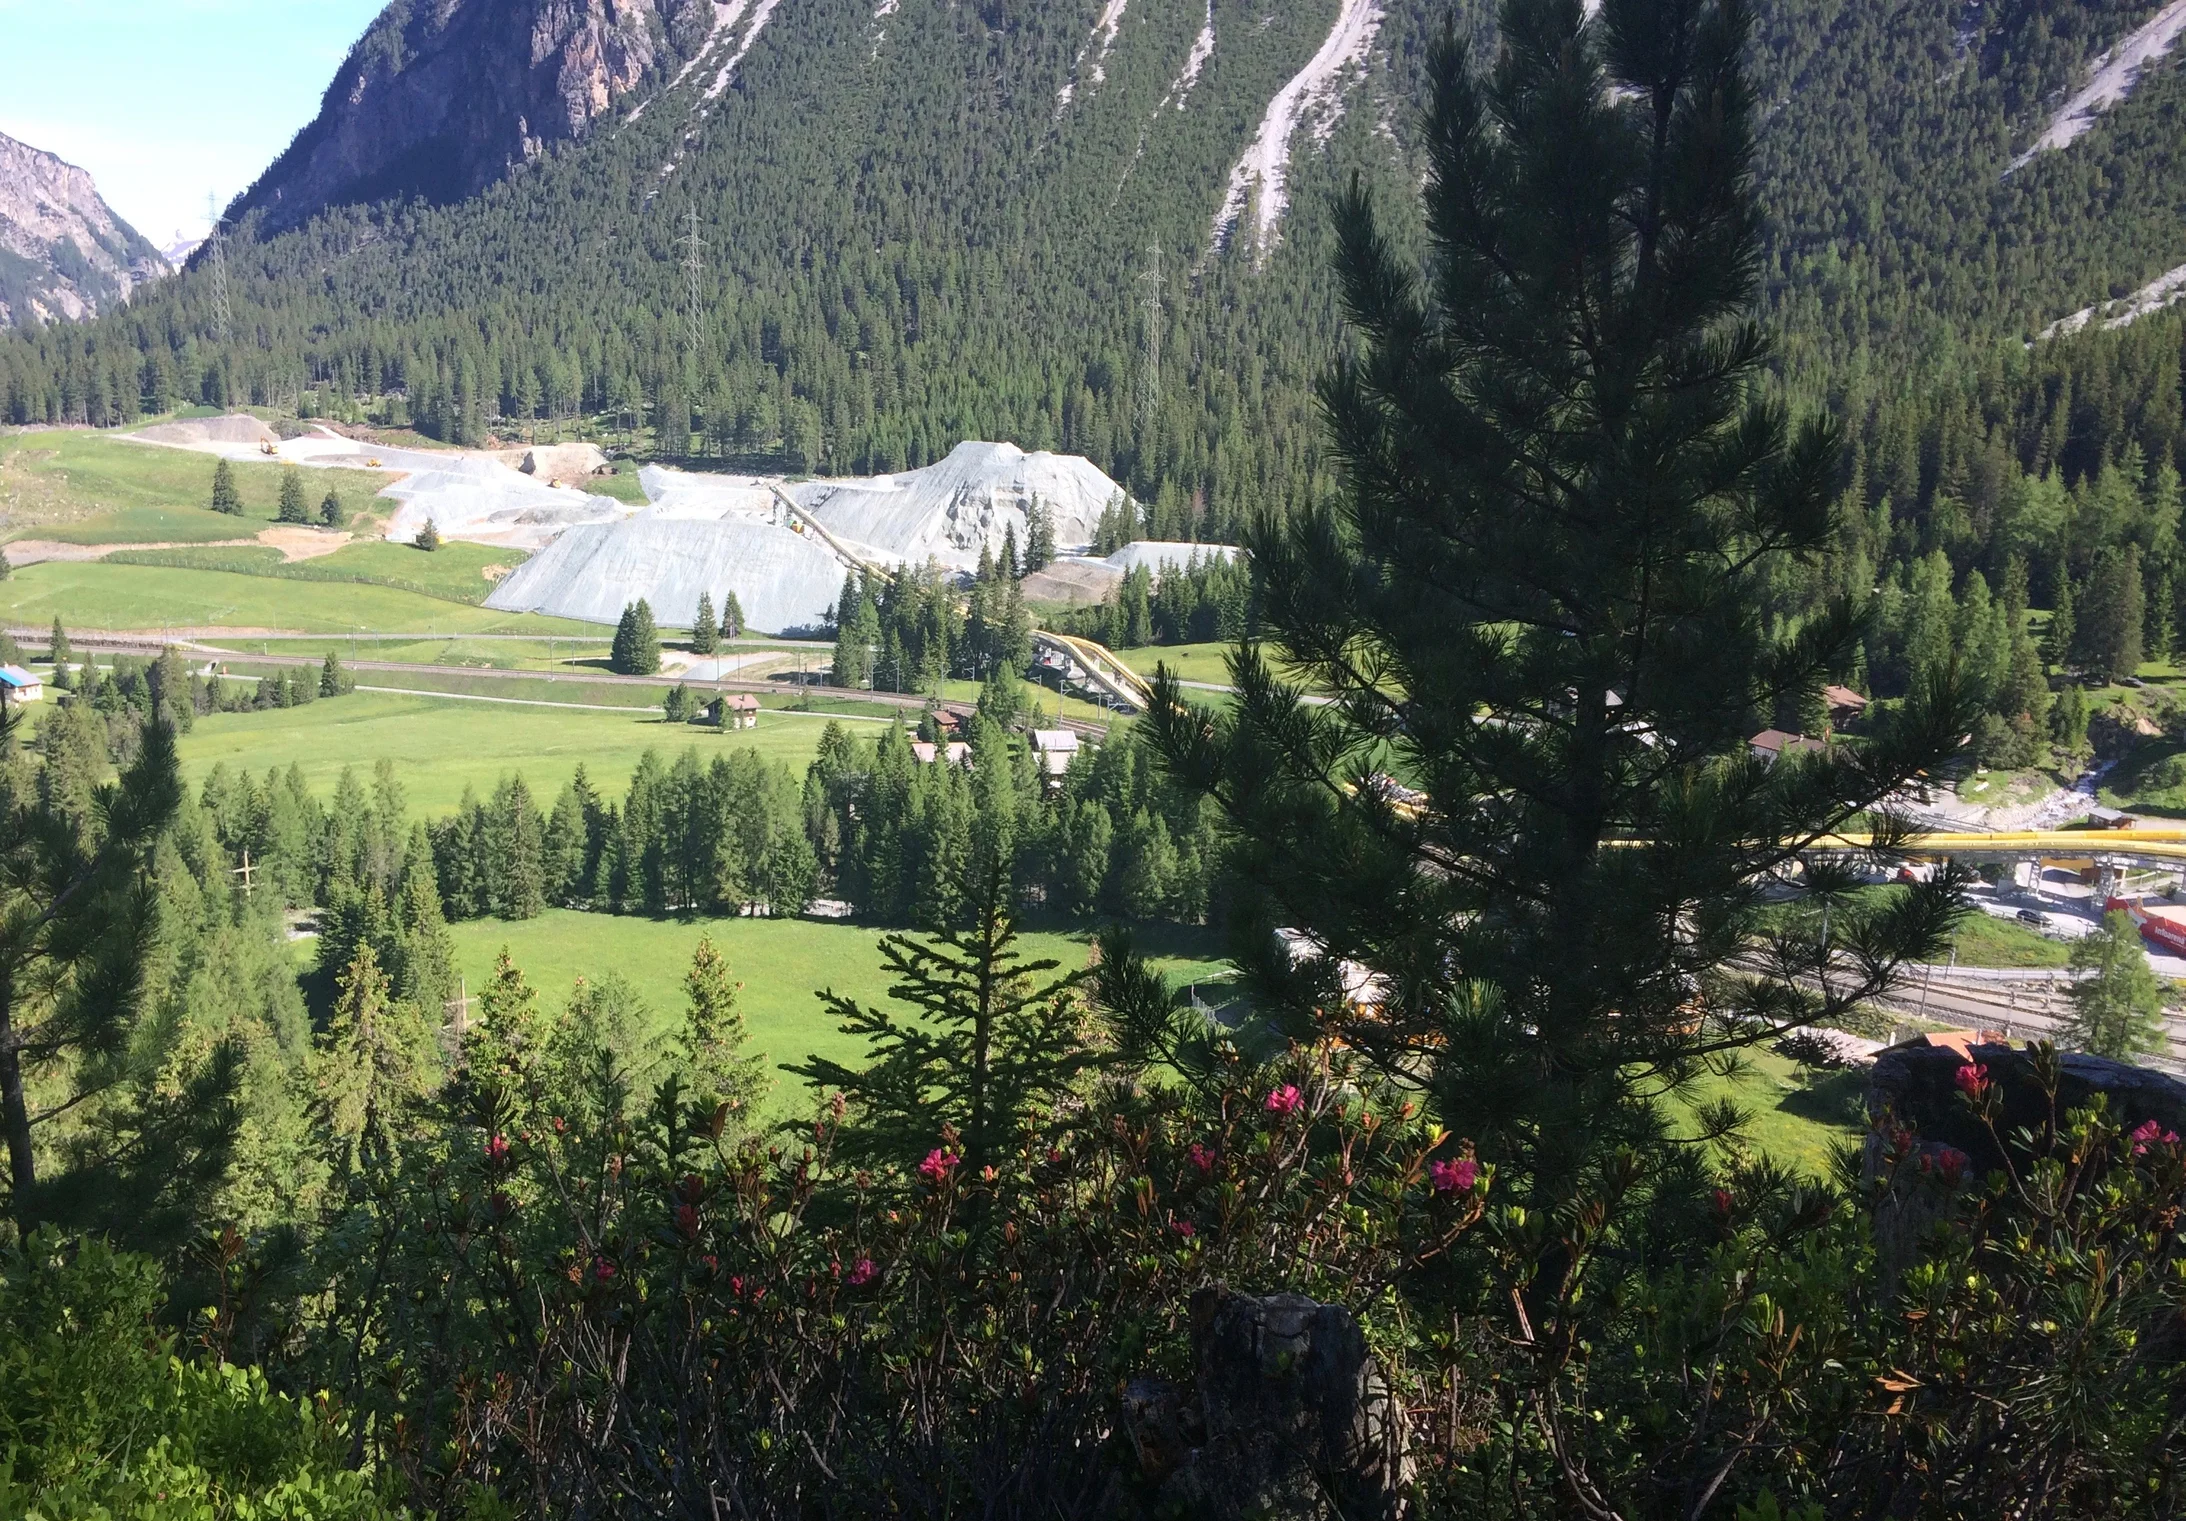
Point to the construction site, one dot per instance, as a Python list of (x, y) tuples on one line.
[(782, 546)]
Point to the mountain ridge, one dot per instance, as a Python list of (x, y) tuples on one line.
[(64, 254), (439, 102)]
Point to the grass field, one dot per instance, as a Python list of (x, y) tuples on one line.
[(440, 745), (456, 572), (781, 963), (1985, 940), (1795, 1117), (90, 488), (89, 595)]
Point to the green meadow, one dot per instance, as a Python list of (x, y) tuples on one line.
[(782, 964), (440, 745)]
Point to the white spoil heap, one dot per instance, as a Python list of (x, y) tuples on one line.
[(952, 509), (782, 579), (484, 501), (727, 533)]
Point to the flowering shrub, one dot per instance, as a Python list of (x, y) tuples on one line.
[(906, 1338)]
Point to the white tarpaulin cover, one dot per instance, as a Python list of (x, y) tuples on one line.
[(782, 580), (723, 533)]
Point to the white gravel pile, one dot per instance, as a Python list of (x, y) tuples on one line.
[(950, 510), (484, 501), (783, 580)]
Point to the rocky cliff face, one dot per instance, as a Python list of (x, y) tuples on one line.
[(440, 98), (63, 252)]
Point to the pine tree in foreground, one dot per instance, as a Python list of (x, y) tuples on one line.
[(713, 1035), (76, 918), (994, 1034), (331, 514), (428, 537), (1510, 803), (732, 616)]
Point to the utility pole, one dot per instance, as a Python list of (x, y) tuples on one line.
[(1149, 397), (223, 324), (694, 270)]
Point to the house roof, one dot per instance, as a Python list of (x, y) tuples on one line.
[(925, 752), (1063, 740), (1843, 697), (1777, 742), (16, 676), (743, 702)]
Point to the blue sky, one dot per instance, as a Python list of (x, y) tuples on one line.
[(163, 100)]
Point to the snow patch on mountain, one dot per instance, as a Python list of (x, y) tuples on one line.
[(2164, 290), (1314, 92), (726, 16), (726, 13), (1105, 27), (751, 35), (1202, 50), (2111, 78), (1178, 93)]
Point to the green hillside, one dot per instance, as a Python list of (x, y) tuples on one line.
[(982, 277)]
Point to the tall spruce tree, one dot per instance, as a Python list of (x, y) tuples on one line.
[(294, 509), (1521, 840), (62, 653), (636, 647), (705, 633), (225, 497), (732, 616)]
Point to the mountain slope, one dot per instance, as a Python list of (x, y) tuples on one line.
[(441, 100), (63, 252), (925, 221)]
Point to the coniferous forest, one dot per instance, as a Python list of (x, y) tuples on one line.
[(1654, 373)]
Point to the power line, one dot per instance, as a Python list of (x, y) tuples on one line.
[(223, 322)]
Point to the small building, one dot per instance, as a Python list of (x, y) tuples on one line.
[(737, 710), (19, 685), (1772, 745), (925, 752), (2100, 817), (1845, 705), (1055, 749)]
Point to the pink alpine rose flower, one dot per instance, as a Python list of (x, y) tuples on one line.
[(938, 1165), (862, 1272), (1972, 1080), (1284, 1100), (2151, 1134), (1202, 1158), (1456, 1177)]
